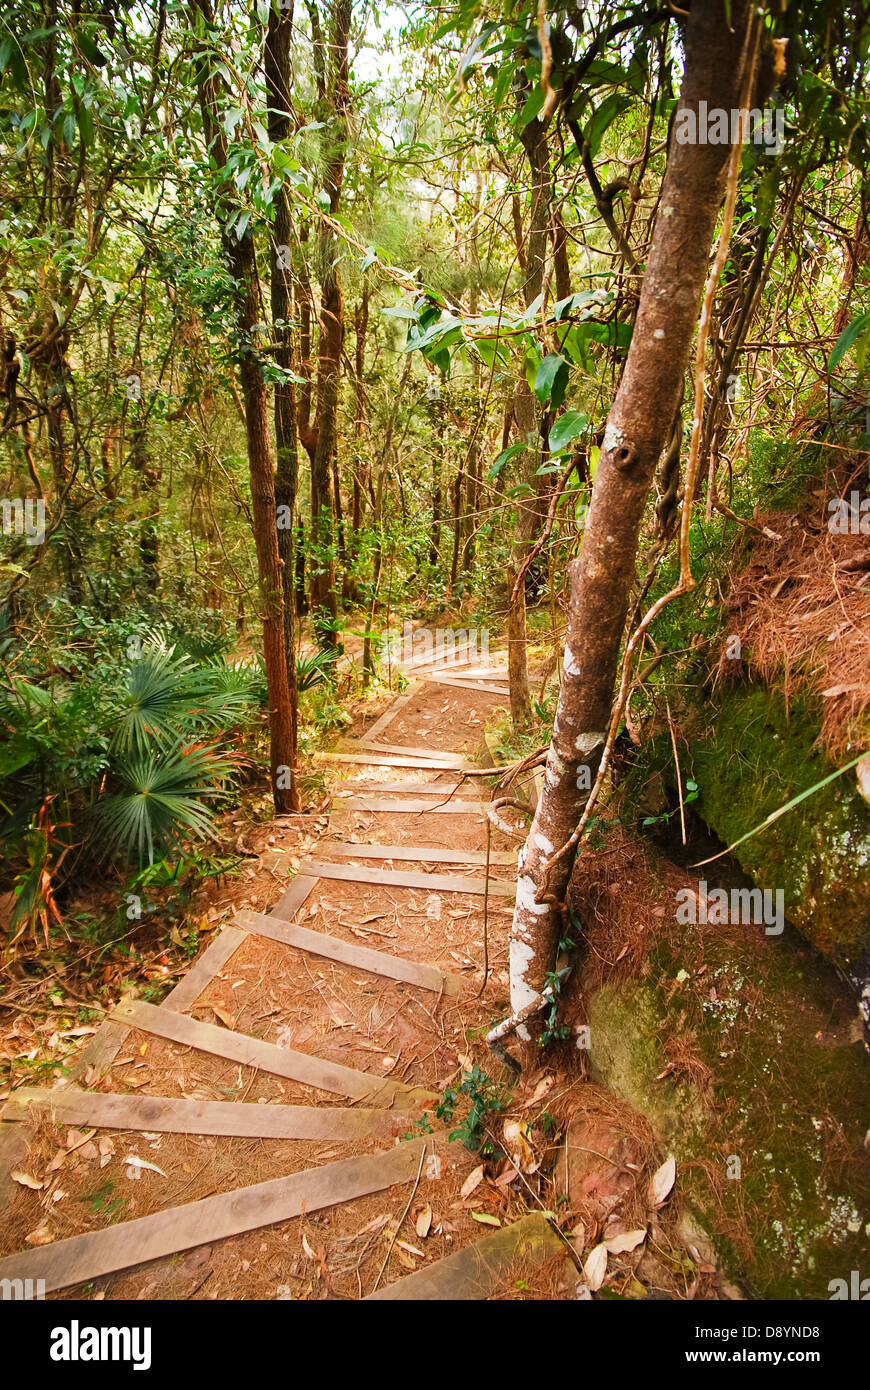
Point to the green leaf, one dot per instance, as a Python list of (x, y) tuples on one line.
[(90, 50), (566, 429), (533, 105), (604, 116), (504, 458), (531, 363), (847, 338), (551, 379)]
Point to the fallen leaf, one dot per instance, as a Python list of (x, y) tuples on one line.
[(226, 1018), (41, 1236), (516, 1137), (307, 1248), (412, 1249), (629, 1240), (595, 1267), (662, 1181), (834, 690), (862, 771), (134, 1161), (544, 1085), (26, 1180), (484, 1218), (423, 1224), (474, 1179), (374, 1225)]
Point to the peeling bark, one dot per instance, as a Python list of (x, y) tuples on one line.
[(638, 429)]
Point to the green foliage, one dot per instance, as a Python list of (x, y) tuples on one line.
[(122, 750)]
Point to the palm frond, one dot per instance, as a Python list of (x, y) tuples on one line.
[(162, 800)]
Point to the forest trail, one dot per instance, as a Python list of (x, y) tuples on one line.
[(241, 1139)]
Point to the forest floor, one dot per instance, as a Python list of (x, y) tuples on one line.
[(70, 1180)]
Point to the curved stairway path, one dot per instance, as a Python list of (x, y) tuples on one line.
[(380, 1111)]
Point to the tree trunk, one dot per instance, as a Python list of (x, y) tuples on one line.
[(534, 139), (241, 258), (638, 428), (337, 102), (277, 68)]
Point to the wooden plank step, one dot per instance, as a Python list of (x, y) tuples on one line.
[(473, 1273), (373, 803), (389, 715), (171, 1115), (459, 656), (290, 902), (279, 1061), (454, 764), (109, 1038), (410, 750), (14, 1146), (80, 1259), (439, 789), (425, 854), (348, 953), (398, 878), (467, 683)]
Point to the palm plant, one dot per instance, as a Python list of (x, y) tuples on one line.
[(122, 751), (161, 801)]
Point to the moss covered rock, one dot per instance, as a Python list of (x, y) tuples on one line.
[(757, 757), (745, 1055)]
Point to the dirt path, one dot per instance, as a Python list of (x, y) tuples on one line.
[(251, 1126)]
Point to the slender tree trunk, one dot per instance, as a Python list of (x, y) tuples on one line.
[(534, 140), (437, 469), (525, 422), (337, 101), (277, 68), (241, 258), (638, 429)]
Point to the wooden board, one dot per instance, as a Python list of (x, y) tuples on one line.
[(398, 878), (290, 902), (458, 656), (476, 1271), (348, 953), (109, 1038), (168, 1114), (389, 715), (279, 1061), (423, 854), (373, 803), (453, 764), (341, 792), (410, 750), (468, 683), (482, 673), (14, 1146), (80, 1259)]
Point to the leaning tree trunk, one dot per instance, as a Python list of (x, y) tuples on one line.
[(638, 429)]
